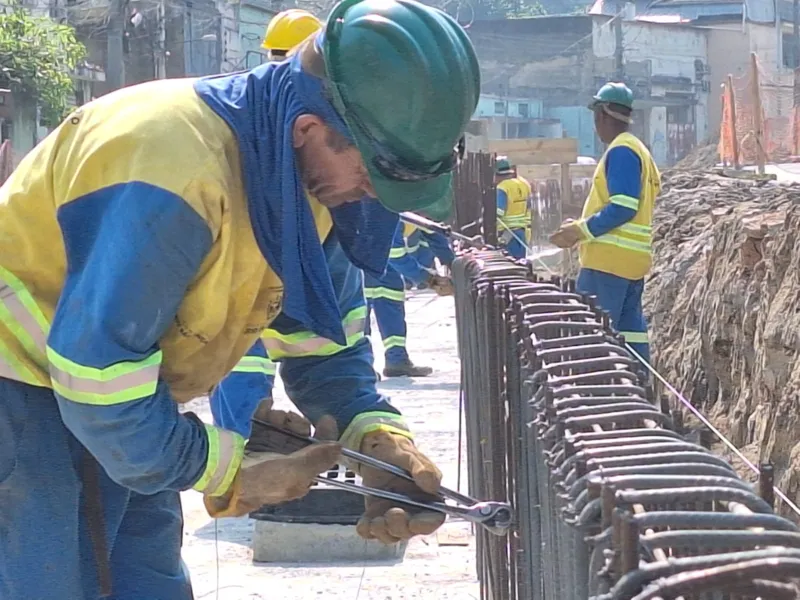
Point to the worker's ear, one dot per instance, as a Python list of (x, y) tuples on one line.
[(307, 128)]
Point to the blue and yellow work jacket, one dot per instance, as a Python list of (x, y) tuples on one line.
[(618, 213), (513, 204), (132, 259), (402, 265), (435, 242)]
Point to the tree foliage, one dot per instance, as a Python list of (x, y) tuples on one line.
[(37, 59), (509, 9)]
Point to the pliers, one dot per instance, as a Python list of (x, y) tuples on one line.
[(495, 517)]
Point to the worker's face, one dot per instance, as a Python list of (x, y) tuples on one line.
[(605, 125), (331, 168)]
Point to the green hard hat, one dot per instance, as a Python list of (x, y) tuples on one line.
[(405, 79), (613, 93), (503, 166)]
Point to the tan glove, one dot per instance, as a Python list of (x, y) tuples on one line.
[(384, 520), (569, 234), (273, 469), (443, 286)]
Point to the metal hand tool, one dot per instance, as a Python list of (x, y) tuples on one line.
[(434, 227), (495, 517)]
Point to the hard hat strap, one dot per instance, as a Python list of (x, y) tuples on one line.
[(616, 115)]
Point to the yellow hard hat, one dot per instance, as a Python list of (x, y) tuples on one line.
[(288, 28)]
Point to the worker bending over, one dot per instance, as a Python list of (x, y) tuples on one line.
[(386, 297), (513, 208), (427, 246), (147, 243), (614, 231)]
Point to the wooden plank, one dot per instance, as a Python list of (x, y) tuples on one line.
[(544, 172), (537, 151)]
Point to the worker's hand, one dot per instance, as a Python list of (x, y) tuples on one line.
[(441, 285), (568, 234), (276, 468), (385, 520)]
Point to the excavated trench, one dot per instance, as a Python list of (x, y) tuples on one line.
[(723, 300)]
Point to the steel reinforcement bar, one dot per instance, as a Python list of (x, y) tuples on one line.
[(611, 500)]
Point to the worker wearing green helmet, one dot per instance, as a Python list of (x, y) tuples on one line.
[(513, 207), (614, 232), (148, 242)]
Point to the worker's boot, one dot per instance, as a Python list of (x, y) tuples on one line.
[(406, 369)]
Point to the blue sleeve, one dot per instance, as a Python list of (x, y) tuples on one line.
[(234, 401), (342, 382), (403, 262), (502, 202), (440, 246), (132, 249), (624, 177)]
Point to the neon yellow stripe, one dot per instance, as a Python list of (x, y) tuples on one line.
[(620, 242), (394, 341), (118, 383), (635, 337), (255, 364), (424, 243), (225, 453), (626, 201), (397, 252), (22, 335), (373, 293), (25, 297), (373, 421), (305, 343), (22, 372)]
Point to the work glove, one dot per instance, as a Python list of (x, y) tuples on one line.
[(276, 468), (388, 521), (440, 284), (569, 234)]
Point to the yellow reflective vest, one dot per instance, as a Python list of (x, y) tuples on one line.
[(625, 251), (517, 213)]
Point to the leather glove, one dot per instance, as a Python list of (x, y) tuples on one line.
[(276, 468), (569, 234), (385, 520), (443, 286)]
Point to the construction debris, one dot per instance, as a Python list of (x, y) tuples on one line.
[(702, 157), (723, 302)]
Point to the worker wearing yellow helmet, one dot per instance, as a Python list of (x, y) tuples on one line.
[(288, 29)]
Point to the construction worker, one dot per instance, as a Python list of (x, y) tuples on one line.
[(286, 30), (234, 401), (147, 243), (513, 207), (386, 298), (614, 232), (426, 247)]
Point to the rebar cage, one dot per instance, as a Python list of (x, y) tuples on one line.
[(611, 499)]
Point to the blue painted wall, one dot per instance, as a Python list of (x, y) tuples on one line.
[(578, 123), (491, 106)]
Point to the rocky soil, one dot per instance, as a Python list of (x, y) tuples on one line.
[(724, 304)]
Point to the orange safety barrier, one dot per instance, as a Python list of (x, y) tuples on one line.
[(779, 112)]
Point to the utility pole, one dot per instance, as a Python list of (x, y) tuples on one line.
[(619, 62), (160, 58), (115, 63), (795, 35)]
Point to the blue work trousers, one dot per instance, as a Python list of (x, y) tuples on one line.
[(515, 247), (423, 253), (45, 548), (386, 298), (622, 299)]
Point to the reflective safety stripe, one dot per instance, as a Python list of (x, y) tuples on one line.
[(255, 364), (368, 422), (635, 337), (397, 252), (116, 384), (626, 201), (26, 321), (225, 452), (410, 249), (373, 293), (394, 341), (635, 237), (517, 222), (305, 343), (424, 243)]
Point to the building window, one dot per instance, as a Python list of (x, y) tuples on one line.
[(524, 111), (499, 108)]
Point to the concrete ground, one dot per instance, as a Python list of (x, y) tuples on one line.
[(219, 555)]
